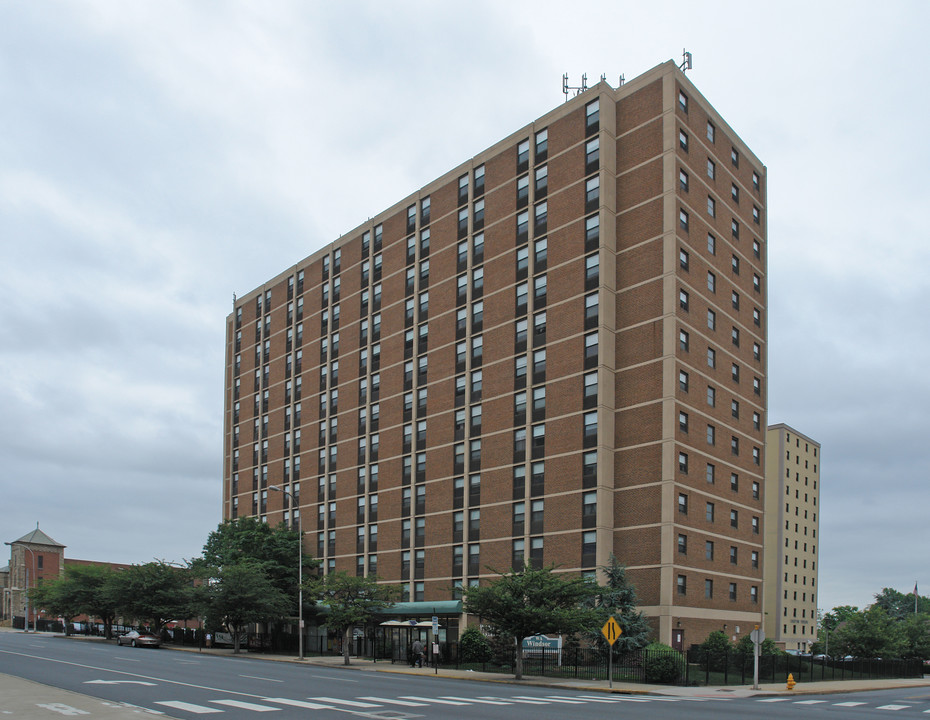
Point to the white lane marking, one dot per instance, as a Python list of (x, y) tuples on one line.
[(187, 707), (475, 700), (391, 701), (62, 709), (350, 703), (523, 701), (432, 700), (809, 702), (259, 677), (299, 703), (118, 682), (893, 707), (245, 705), (327, 677), (567, 701), (775, 700), (575, 698), (848, 704)]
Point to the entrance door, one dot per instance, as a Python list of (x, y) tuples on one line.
[(678, 639)]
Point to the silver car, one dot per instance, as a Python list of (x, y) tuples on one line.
[(137, 639)]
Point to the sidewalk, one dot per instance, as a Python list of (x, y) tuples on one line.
[(41, 701)]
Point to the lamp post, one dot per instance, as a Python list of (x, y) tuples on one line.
[(300, 575), (26, 568)]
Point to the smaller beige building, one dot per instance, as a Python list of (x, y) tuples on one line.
[(792, 511)]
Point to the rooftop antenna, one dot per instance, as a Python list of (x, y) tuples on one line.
[(686, 61), (578, 89)]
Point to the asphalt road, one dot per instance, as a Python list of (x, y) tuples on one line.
[(186, 685)]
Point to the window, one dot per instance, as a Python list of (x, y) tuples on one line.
[(711, 396), (682, 464), (755, 525), (734, 518), (734, 408), (734, 555), (734, 372), (590, 427), (734, 157), (683, 299), (682, 504), (756, 351), (683, 421), (709, 512), (592, 151), (754, 594), (479, 180), (734, 336), (542, 144), (683, 381), (592, 228), (683, 220), (682, 585), (682, 102), (755, 181), (711, 435), (711, 320), (592, 116), (734, 445), (734, 193), (592, 192), (734, 482), (682, 544), (711, 131), (711, 207), (734, 229), (541, 180), (683, 180), (711, 244), (708, 588), (711, 357), (683, 140), (711, 282), (756, 283), (683, 259), (523, 154), (683, 340), (756, 216), (711, 169)]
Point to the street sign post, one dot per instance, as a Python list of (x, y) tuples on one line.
[(757, 636), (611, 632)]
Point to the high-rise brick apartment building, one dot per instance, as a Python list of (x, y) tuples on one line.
[(554, 352), (792, 504)]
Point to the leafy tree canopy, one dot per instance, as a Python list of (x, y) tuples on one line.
[(155, 592), (522, 603), (242, 594), (870, 633), (618, 598), (351, 600)]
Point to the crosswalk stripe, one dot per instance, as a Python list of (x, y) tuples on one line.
[(299, 703), (775, 700), (524, 701), (893, 707), (476, 700), (350, 703), (188, 707), (391, 701), (245, 705), (809, 702), (586, 698), (567, 701), (432, 700), (849, 704)]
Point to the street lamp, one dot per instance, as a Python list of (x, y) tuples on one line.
[(300, 575), (26, 620)]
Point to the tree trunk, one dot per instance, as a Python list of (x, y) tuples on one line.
[(345, 645), (518, 662)]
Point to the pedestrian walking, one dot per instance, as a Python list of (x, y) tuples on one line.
[(417, 653)]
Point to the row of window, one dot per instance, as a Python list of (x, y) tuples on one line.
[(681, 583), (710, 513), (710, 550)]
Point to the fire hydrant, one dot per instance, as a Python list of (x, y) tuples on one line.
[(791, 682)]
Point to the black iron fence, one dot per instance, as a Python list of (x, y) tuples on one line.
[(694, 667)]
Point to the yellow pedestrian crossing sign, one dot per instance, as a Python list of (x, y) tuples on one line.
[(612, 630)]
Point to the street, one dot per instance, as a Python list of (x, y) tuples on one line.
[(187, 684)]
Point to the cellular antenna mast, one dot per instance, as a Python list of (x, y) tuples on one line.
[(686, 61), (578, 90)]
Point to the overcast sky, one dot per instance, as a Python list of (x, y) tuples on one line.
[(158, 156)]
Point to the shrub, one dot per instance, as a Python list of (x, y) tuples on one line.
[(662, 664), (474, 646)]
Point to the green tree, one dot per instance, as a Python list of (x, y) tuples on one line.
[(95, 589), (56, 597), (522, 603), (241, 594), (155, 592), (916, 630), (351, 601), (716, 646), (901, 606), (275, 549), (474, 646), (840, 614), (868, 634), (768, 646), (618, 598)]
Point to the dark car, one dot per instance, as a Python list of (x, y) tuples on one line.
[(137, 639)]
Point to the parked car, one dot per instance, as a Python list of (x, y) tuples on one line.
[(137, 639)]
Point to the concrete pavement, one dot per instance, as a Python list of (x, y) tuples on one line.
[(24, 698)]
